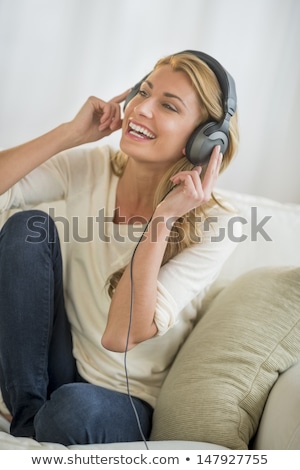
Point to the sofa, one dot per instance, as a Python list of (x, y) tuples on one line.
[(235, 383)]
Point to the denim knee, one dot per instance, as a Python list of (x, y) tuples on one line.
[(62, 418), (31, 226), (82, 413)]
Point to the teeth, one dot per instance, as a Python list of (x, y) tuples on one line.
[(141, 130)]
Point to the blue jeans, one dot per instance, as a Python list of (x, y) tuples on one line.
[(38, 377)]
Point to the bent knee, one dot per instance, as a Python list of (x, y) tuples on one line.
[(61, 418), (32, 226)]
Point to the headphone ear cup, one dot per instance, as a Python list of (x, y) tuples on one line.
[(203, 140)]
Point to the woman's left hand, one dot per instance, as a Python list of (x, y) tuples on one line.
[(190, 191)]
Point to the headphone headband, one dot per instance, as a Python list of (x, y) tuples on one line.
[(224, 78)]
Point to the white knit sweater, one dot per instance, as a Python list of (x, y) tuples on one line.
[(95, 247)]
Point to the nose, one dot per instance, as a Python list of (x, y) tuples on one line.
[(145, 108)]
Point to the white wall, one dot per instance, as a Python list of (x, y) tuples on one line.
[(55, 53)]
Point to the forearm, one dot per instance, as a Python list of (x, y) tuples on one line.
[(145, 268), (95, 120), (17, 162)]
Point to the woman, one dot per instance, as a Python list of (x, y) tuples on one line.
[(131, 281)]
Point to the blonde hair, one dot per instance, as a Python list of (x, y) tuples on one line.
[(184, 231)]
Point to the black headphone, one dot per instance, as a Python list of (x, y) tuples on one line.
[(206, 136)]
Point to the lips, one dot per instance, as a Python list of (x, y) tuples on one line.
[(140, 131)]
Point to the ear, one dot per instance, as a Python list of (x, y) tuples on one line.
[(184, 152)]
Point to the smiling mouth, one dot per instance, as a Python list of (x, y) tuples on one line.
[(140, 131)]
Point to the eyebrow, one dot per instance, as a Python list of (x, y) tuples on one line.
[(167, 94)]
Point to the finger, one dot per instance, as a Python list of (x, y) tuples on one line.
[(105, 122), (212, 172), (111, 117), (193, 175), (213, 164), (214, 159), (116, 119), (110, 112), (106, 112), (198, 169), (112, 121), (116, 123), (188, 183)]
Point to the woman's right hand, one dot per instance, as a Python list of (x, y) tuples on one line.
[(97, 119)]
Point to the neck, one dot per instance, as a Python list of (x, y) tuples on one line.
[(135, 192)]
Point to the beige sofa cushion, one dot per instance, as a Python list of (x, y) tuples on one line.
[(221, 378)]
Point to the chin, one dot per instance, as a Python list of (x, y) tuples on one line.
[(142, 152), (133, 149)]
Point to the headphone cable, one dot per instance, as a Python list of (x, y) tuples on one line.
[(130, 321)]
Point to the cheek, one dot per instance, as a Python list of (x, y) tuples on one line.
[(178, 135), (172, 127)]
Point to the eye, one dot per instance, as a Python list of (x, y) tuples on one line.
[(170, 107), (143, 93)]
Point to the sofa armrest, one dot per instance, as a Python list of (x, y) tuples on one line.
[(279, 427)]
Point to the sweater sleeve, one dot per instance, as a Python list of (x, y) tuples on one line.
[(64, 174), (190, 274), (48, 182)]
